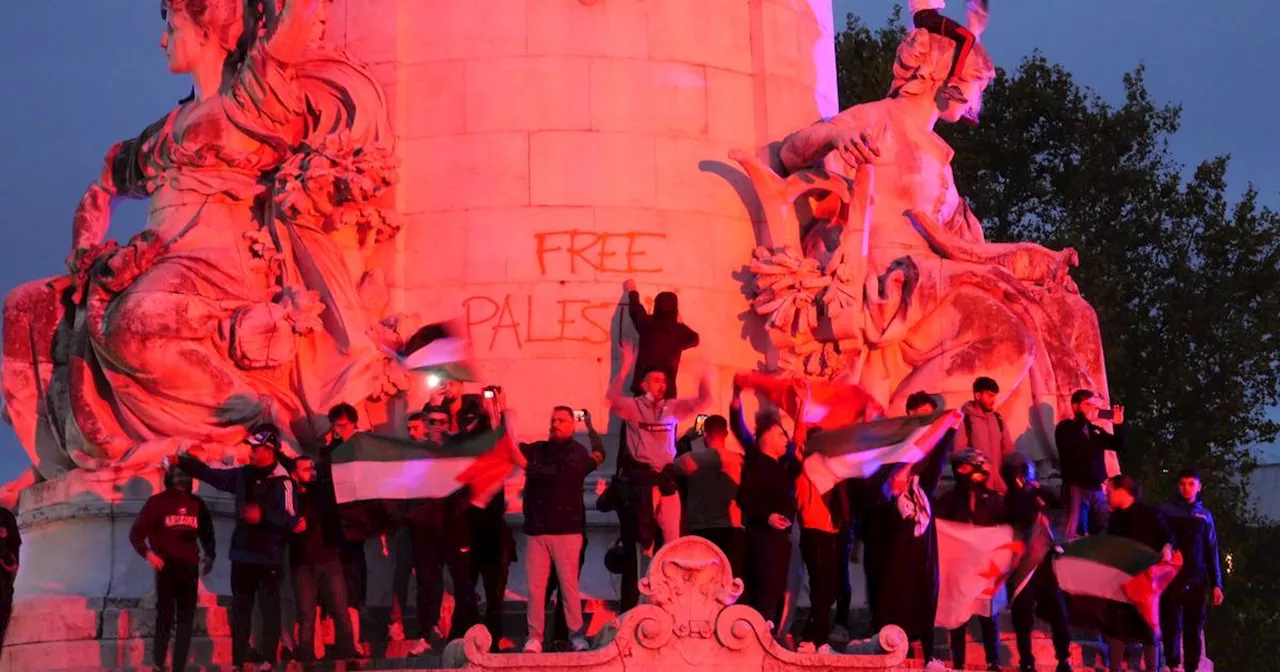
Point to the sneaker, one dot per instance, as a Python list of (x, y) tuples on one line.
[(533, 646), (935, 665), (395, 632), (420, 647), (579, 643), (825, 649), (840, 634), (806, 648)]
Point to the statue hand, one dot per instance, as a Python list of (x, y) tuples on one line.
[(92, 218), (856, 147)]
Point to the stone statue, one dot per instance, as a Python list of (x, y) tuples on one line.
[(250, 294), (874, 270)]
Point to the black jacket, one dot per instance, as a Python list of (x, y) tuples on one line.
[(1082, 447), (1142, 524), (10, 538), (985, 509), (1195, 534), (662, 339), (170, 524), (271, 489), (553, 487)]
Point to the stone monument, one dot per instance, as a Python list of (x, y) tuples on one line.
[(350, 170)]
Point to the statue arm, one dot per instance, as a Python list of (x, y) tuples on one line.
[(121, 177), (853, 133), (807, 146), (287, 42)]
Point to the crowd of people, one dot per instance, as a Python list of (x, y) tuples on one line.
[(744, 495)]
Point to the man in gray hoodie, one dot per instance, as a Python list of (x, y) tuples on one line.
[(983, 429)]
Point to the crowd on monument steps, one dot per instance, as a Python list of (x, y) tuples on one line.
[(746, 496)]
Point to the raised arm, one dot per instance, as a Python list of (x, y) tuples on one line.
[(221, 479), (597, 441), (294, 29), (738, 422), (616, 394), (683, 408), (635, 307)]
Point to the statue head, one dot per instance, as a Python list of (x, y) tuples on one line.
[(921, 66), (201, 32), (273, 8)]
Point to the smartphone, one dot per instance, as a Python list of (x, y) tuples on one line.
[(579, 415), (489, 394), (433, 381), (1106, 414), (699, 422)]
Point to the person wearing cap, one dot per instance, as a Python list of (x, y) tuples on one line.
[(169, 532), (983, 428), (975, 503), (266, 514), (1082, 451)]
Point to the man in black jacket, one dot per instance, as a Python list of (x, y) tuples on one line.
[(1025, 504), (554, 521), (1132, 519), (165, 533), (10, 544), (1182, 605), (1082, 449), (266, 514), (315, 557), (663, 337), (973, 502)]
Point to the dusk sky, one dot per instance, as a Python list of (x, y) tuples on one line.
[(83, 74)]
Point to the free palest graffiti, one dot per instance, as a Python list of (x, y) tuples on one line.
[(518, 319)]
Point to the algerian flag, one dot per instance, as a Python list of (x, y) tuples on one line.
[(973, 564), (438, 350), (1110, 581), (370, 467), (857, 451)]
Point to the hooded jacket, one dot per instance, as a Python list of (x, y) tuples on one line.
[(986, 433), (271, 489), (662, 338)]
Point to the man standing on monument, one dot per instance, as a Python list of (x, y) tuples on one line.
[(166, 533), (355, 567), (1082, 451), (983, 429), (1182, 606), (663, 337), (266, 514), (650, 445)]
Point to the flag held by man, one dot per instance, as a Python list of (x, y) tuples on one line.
[(973, 565), (370, 467), (1103, 575), (858, 451), (437, 349)]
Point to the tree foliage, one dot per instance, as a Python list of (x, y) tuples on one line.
[(1181, 275)]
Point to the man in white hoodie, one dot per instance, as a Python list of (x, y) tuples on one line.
[(984, 430)]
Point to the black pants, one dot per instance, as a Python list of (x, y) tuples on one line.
[(325, 584), (990, 642), (6, 604), (844, 583), (732, 541), (819, 549), (355, 573), (249, 583), (176, 588), (1042, 592), (767, 567), (1182, 614), (433, 548)]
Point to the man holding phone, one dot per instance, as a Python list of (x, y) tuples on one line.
[(1082, 451)]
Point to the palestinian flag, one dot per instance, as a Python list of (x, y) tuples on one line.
[(973, 565), (858, 451), (1038, 540), (374, 468), (828, 404), (1113, 584), (437, 349)]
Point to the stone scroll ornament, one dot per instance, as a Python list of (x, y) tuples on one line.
[(253, 294), (689, 620), (873, 270)]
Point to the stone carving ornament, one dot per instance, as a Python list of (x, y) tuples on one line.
[(873, 270), (252, 293), (688, 621)]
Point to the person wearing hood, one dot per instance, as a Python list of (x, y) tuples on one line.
[(1182, 605), (973, 502), (170, 531), (266, 514), (1025, 504), (983, 428), (663, 337)]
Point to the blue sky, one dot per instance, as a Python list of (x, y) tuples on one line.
[(82, 74)]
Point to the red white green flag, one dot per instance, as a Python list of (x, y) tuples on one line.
[(1103, 574), (973, 564), (370, 467)]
